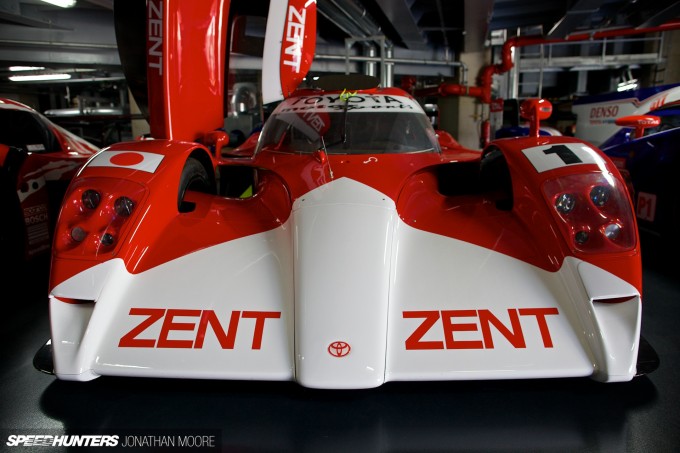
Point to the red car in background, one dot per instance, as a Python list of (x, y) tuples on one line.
[(38, 159)]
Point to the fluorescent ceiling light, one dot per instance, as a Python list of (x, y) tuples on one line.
[(26, 68), (62, 3), (39, 77), (628, 85)]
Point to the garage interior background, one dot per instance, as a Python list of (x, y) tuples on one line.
[(414, 43)]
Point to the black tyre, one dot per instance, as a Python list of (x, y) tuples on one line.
[(194, 177), (495, 178)]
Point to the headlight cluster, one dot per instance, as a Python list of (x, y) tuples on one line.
[(94, 215), (593, 212)]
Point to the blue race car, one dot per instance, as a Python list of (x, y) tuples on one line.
[(649, 155)]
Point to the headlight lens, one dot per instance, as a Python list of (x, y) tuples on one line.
[(612, 231), (123, 206), (599, 195), (593, 212), (565, 203), (78, 234), (91, 199), (107, 239), (95, 216)]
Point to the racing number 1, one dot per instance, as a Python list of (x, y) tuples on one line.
[(564, 153)]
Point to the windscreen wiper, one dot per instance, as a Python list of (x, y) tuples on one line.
[(344, 96)]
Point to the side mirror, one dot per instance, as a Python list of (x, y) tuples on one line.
[(639, 123), (446, 140), (244, 150), (215, 141), (535, 110)]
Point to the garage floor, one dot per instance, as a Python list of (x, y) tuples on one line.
[(575, 415)]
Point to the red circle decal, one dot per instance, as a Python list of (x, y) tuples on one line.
[(126, 159)]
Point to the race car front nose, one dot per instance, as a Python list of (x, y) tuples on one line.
[(342, 250)]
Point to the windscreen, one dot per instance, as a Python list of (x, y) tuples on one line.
[(349, 124), (25, 130), (670, 119)]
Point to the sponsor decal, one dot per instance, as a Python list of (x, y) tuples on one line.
[(312, 123), (646, 206), (37, 147), (316, 121), (609, 111), (295, 32), (481, 321), (133, 160), (356, 102), (35, 214), (550, 157), (289, 45), (658, 102), (154, 55), (197, 323), (339, 349)]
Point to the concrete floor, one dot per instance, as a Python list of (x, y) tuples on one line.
[(574, 415)]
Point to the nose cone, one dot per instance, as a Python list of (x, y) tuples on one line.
[(343, 247)]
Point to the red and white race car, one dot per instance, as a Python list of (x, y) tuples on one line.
[(349, 249), (347, 245), (38, 159)]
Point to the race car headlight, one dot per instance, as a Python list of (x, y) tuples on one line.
[(123, 206), (91, 199), (95, 215), (581, 237), (593, 212), (78, 234), (599, 195), (107, 239), (565, 203), (612, 231)]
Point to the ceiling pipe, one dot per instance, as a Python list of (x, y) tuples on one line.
[(350, 17), (483, 91), (354, 20), (408, 61)]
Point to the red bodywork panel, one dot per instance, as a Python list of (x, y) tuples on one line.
[(186, 60), (186, 92), (527, 232)]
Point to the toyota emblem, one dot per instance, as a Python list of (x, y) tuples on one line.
[(339, 349)]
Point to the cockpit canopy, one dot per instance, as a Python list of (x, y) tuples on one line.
[(349, 123)]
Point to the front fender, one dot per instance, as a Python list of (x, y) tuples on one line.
[(600, 231), (131, 181)]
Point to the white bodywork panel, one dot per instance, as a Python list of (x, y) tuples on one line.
[(411, 305), (596, 120), (343, 242)]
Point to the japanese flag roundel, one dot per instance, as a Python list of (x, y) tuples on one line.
[(134, 160)]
